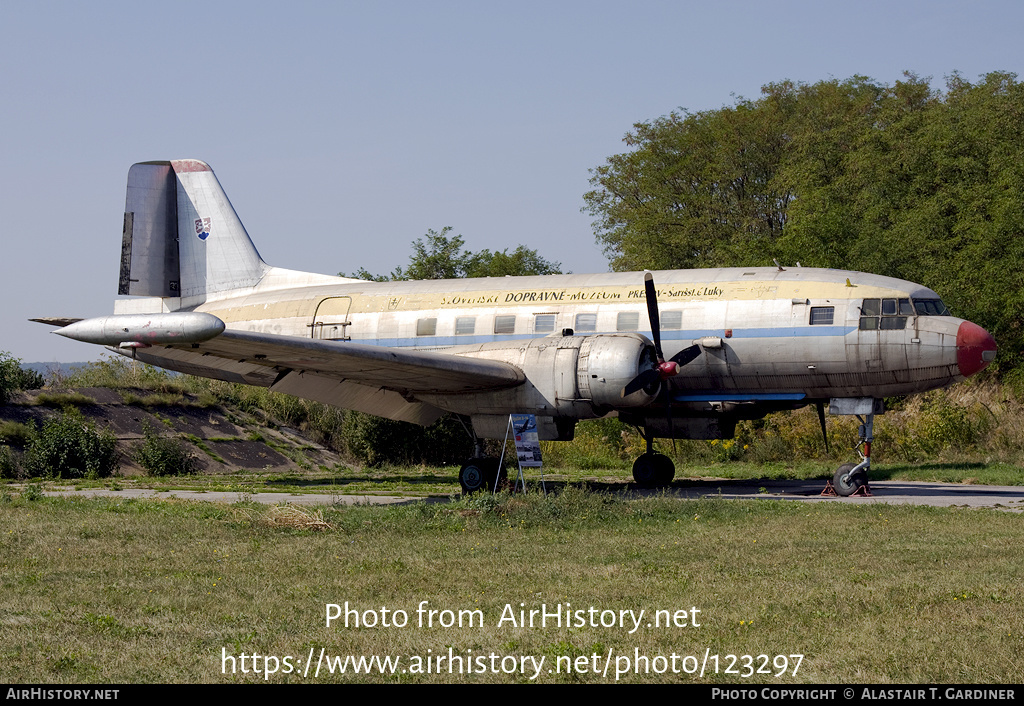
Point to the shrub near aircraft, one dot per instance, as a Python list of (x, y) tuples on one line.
[(678, 354)]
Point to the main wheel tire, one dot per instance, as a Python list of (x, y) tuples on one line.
[(846, 483), (473, 476), (644, 471), (652, 470), (665, 469)]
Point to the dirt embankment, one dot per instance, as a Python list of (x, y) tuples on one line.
[(223, 440)]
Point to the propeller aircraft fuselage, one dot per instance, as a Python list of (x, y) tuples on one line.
[(680, 353)]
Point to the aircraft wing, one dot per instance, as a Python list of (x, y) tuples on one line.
[(373, 379), (398, 369)]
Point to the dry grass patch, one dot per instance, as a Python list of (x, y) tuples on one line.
[(285, 516)]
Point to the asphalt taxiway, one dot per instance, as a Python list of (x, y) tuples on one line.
[(893, 492)]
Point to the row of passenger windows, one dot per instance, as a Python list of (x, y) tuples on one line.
[(875, 314), (545, 323)]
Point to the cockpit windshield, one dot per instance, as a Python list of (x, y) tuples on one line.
[(891, 314), (931, 307)]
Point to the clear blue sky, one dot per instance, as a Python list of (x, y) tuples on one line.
[(342, 131)]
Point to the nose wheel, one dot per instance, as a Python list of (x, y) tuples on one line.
[(849, 479)]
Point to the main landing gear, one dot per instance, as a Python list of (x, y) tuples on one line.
[(651, 470), (480, 472), (850, 478)]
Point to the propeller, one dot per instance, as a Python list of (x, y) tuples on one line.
[(664, 369)]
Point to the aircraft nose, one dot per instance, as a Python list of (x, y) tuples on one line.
[(975, 348)]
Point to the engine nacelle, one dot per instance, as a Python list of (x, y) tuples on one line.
[(579, 377), (607, 363)]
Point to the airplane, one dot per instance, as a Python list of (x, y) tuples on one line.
[(678, 354)]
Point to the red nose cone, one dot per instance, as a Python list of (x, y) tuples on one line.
[(667, 369), (975, 348)]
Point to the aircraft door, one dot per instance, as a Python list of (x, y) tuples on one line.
[(330, 321)]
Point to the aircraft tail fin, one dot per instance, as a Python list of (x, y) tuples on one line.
[(182, 238)]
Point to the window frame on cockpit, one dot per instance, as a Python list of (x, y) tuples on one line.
[(885, 313), (929, 307)]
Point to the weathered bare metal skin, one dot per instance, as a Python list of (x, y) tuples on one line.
[(149, 329)]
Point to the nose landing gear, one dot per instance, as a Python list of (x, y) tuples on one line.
[(852, 479)]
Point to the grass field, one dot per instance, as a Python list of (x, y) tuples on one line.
[(148, 591)]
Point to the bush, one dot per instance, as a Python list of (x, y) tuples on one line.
[(8, 463), (162, 456), (68, 446), (117, 372), (16, 434), (13, 378), (376, 441)]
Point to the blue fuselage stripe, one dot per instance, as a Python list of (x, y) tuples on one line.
[(689, 335)]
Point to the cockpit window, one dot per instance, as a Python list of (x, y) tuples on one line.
[(884, 314), (931, 307)]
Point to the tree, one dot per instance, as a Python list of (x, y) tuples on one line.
[(900, 180), (441, 256)]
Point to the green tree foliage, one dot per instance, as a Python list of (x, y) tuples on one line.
[(14, 378), (437, 255), (900, 180), (442, 256)]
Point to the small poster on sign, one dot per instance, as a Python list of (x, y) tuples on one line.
[(524, 426)]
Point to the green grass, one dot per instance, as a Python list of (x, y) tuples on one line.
[(419, 481), (148, 591), (62, 399)]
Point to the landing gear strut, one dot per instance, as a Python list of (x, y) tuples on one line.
[(650, 469), (852, 479)]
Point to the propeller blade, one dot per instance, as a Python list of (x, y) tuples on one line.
[(665, 369), (821, 420), (652, 314), (644, 379), (686, 355)]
